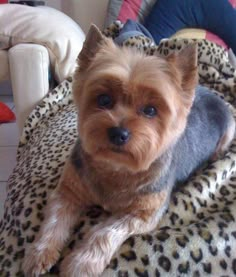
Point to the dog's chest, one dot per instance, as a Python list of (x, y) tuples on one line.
[(118, 190)]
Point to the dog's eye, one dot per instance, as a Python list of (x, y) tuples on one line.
[(149, 111), (104, 101)]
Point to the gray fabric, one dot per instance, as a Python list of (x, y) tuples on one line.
[(132, 29), (112, 11)]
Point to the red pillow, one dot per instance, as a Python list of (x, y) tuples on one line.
[(6, 115), (128, 9)]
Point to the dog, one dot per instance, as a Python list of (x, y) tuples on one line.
[(143, 127)]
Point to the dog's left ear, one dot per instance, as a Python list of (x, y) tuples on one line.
[(93, 41), (185, 61)]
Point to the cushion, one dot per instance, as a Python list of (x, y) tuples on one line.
[(167, 17), (6, 115), (46, 26), (138, 10)]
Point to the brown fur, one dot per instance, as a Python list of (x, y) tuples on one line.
[(133, 80), (117, 178)]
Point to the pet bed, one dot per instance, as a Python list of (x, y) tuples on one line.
[(197, 235)]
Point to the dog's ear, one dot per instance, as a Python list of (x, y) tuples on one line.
[(185, 61), (91, 45)]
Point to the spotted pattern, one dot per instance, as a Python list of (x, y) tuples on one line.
[(197, 235)]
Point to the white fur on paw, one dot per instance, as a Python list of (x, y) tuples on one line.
[(82, 264), (38, 262)]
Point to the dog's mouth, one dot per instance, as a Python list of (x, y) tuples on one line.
[(118, 150), (118, 158), (115, 150)]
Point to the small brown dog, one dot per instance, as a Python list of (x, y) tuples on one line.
[(137, 139)]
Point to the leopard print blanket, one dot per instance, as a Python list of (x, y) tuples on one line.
[(197, 235)]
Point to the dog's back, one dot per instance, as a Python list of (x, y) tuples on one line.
[(209, 131)]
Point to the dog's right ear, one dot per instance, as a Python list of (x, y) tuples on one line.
[(91, 45)]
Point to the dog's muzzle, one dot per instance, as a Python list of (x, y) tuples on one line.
[(118, 135)]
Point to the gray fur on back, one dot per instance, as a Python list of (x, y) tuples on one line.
[(207, 123)]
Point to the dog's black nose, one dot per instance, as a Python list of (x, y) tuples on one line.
[(118, 136)]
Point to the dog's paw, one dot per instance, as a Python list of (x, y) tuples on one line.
[(37, 262), (82, 264)]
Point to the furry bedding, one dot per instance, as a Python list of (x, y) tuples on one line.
[(197, 235)]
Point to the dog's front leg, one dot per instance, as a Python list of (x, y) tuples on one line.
[(91, 258), (61, 214)]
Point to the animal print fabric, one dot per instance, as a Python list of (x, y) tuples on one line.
[(197, 235)]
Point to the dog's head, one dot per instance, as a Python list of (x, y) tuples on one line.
[(131, 107)]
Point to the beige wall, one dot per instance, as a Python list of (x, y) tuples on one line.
[(84, 12), (54, 3)]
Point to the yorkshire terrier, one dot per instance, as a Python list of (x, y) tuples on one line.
[(143, 127)]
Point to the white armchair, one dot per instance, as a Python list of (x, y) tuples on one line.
[(34, 42)]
